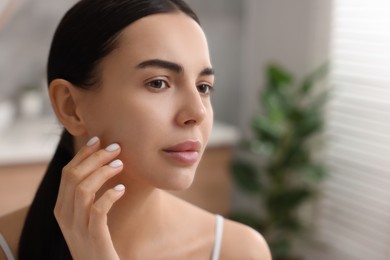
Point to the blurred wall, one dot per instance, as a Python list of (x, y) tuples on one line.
[(294, 34), (25, 41)]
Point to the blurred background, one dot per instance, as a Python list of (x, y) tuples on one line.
[(348, 218)]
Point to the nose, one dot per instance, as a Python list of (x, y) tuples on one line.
[(192, 110)]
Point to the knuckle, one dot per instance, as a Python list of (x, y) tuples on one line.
[(102, 207), (97, 211), (98, 156), (66, 168), (82, 190), (106, 172), (71, 173)]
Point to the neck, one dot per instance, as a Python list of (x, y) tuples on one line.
[(139, 213), (135, 204)]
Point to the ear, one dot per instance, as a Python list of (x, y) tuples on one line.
[(63, 97)]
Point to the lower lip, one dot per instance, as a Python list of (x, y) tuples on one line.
[(187, 158)]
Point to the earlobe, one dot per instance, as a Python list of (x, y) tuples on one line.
[(63, 97)]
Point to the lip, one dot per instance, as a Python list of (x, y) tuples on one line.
[(186, 153)]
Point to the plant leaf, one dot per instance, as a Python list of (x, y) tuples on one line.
[(278, 77), (318, 74), (249, 219), (283, 201), (311, 122), (315, 172), (246, 177), (264, 129), (280, 248), (262, 147)]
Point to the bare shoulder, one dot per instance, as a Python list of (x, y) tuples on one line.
[(11, 227), (238, 241), (243, 242)]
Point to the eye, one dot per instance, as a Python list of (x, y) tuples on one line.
[(204, 88), (157, 84)]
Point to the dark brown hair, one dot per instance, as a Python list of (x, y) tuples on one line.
[(87, 33)]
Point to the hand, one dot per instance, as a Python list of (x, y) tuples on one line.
[(82, 219)]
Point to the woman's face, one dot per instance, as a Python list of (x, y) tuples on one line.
[(154, 100)]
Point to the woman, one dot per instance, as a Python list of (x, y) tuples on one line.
[(130, 81)]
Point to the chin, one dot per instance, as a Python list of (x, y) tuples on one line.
[(181, 181), (179, 186)]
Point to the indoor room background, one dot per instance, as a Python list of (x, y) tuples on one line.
[(350, 219)]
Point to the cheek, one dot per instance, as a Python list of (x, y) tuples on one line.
[(208, 123), (131, 124)]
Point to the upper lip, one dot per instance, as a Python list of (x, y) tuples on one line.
[(187, 146)]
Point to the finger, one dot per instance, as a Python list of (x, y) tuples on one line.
[(86, 190), (76, 173), (85, 151), (73, 176), (98, 216), (92, 146)]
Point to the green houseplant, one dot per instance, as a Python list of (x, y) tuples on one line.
[(277, 165)]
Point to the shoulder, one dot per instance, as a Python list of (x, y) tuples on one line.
[(11, 227), (238, 241), (243, 242)]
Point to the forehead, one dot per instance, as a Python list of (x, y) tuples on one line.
[(171, 36)]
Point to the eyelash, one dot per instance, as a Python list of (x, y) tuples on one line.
[(210, 89), (152, 82)]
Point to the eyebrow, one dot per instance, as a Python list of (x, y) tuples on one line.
[(171, 66), (207, 72)]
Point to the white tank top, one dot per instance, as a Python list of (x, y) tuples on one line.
[(215, 254), (7, 251), (218, 237)]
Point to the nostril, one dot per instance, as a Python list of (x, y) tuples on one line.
[(190, 122)]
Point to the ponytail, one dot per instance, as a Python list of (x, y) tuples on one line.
[(41, 236), (87, 33)]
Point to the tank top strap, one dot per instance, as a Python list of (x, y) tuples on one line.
[(4, 246), (218, 237)]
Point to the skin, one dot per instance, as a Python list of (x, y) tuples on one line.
[(143, 107), (127, 110)]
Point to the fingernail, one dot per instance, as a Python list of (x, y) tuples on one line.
[(112, 147), (119, 187), (116, 164), (93, 141)]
